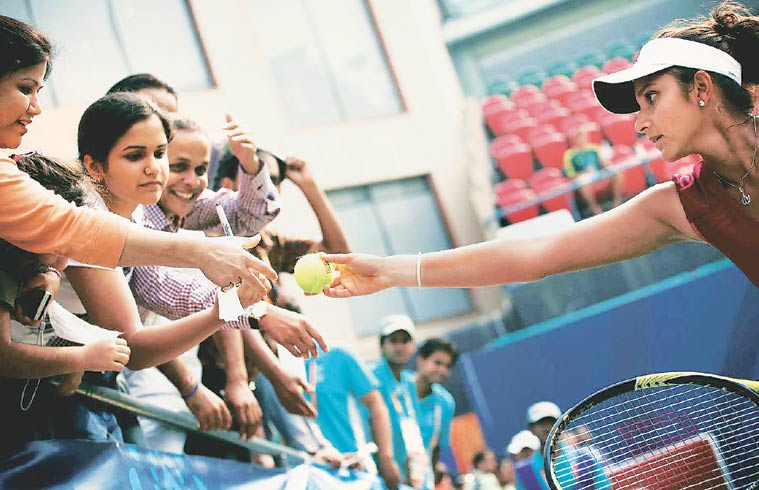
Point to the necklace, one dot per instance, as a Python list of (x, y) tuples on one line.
[(745, 197)]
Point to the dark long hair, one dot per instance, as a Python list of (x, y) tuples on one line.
[(731, 28), (109, 118), (22, 46)]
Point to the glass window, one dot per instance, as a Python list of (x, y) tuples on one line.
[(399, 217), (99, 42), (327, 60)]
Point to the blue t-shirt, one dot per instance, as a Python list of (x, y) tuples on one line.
[(440, 401), (341, 380), (530, 473), (400, 399)]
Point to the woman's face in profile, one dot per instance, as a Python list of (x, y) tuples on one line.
[(667, 117), (19, 103)]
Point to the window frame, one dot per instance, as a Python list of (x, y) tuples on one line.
[(446, 230)]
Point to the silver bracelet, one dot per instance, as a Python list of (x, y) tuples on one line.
[(419, 270)]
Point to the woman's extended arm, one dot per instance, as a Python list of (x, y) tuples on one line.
[(109, 303), (650, 221), (39, 221)]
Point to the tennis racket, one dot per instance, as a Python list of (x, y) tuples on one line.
[(668, 431)]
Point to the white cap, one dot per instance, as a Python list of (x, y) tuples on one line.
[(395, 323), (521, 440), (541, 410), (615, 91)]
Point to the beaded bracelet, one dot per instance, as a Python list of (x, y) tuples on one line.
[(192, 391)]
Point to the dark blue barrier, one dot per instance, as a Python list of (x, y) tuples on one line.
[(705, 320), (105, 466), (536, 302)]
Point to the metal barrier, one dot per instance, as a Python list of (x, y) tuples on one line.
[(187, 423)]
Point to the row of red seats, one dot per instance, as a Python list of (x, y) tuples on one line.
[(511, 192), (582, 107), (528, 141), (559, 98)]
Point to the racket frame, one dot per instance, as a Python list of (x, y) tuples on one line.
[(746, 388)]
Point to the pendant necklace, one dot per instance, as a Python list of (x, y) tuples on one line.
[(745, 197)]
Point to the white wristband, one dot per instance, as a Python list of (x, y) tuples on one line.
[(419, 270)]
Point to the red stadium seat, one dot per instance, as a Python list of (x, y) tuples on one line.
[(620, 129), (526, 100), (584, 76), (504, 144), (555, 81), (664, 170), (661, 169), (591, 108), (578, 96), (555, 117), (496, 100), (515, 161), (546, 185), (504, 141), (543, 175), (524, 91), (616, 64), (592, 130), (634, 179), (498, 120), (520, 127), (570, 125), (515, 199), (540, 130), (538, 107), (549, 149), (505, 187)]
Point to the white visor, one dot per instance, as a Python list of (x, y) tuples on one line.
[(615, 91)]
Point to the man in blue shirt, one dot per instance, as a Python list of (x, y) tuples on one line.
[(339, 379), (398, 388), (436, 406)]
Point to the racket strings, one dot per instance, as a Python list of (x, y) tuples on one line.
[(682, 436)]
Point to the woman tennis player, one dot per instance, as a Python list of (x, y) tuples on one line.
[(692, 89)]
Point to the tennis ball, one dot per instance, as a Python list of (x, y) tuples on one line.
[(312, 273)]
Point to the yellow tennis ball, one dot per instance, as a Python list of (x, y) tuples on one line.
[(312, 273)]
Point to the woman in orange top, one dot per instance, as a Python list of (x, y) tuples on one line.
[(36, 220)]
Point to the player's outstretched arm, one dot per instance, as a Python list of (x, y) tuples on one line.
[(647, 222)]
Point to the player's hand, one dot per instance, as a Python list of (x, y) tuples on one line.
[(293, 331), (69, 383), (290, 390), (359, 274), (210, 410), (244, 407), (242, 146), (106, 355), (224, 261)]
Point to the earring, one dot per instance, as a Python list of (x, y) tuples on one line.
[(701, 103)]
